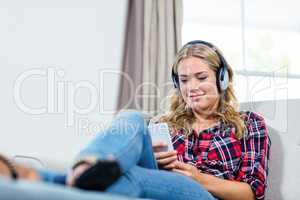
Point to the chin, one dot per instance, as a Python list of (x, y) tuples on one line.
[(198, 107)]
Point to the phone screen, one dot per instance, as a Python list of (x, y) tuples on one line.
[(160, 132)]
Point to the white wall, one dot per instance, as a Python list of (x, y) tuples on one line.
[(52, 54)]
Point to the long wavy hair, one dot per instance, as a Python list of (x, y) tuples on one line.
[(181, 118)]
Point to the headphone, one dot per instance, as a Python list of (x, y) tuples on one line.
[(222, 73)]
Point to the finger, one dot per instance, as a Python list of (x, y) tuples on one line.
[(158, 146), (70, 179), (162, 155), (166, 161), (170, 166), (74, 174), (182, 166)]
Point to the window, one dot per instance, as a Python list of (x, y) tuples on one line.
[(259, 38)]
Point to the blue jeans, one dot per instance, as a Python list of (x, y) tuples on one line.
[(127, 140)]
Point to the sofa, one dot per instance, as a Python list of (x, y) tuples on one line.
[(284, 170), (24, 190), (282, 118)]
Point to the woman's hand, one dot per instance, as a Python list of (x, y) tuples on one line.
[(4, 170), (221, 188), (187, 170), (76, 172), (165, 160), (21, 171)]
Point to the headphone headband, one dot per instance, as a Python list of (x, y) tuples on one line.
[(213, 47), (222, 74)]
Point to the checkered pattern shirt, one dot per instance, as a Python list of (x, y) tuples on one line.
[(216, 151)]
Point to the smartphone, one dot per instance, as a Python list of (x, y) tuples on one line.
[(160, 132)]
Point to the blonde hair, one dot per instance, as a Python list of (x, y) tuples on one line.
[(179, 117)]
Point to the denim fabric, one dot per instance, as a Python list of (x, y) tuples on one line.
[(127, 140)]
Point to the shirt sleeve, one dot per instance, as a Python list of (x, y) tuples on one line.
[(256, 145)]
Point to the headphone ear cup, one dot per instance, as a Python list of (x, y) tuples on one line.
[(223, 79), (175, 80)]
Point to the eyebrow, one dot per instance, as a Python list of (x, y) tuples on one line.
[(198, 73)]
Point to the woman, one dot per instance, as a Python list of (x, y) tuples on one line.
[(228, 150), (219, 152), (224, 151)]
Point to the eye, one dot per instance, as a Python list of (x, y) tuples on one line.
[(201, 78), (183, 80)]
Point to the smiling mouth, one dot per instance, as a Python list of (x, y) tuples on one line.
[(195, 97)]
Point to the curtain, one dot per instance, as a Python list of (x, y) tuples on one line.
[(153, 37)]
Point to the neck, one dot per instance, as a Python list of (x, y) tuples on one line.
[(203, 121), (202, 118)]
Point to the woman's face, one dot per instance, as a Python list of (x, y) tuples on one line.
[(198, 85)]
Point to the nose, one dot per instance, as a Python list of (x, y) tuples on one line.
[(193, 85)]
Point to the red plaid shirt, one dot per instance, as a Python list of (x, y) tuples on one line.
[(216, 151)]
